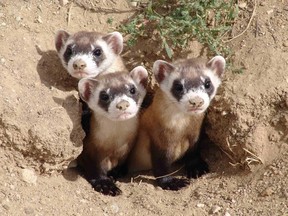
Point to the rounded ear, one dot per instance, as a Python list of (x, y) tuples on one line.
[(60, 39), (140, 75), (217, 65), (162, 69), (86, 87), (115, 40)]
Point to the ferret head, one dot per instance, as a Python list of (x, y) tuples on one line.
[(87, 54), (190, 84), (116, 96)]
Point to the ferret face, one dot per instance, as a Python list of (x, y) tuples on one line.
[(116, 96), (87, 54), (190, 84)]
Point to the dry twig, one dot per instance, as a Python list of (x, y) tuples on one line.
[(247, 27)]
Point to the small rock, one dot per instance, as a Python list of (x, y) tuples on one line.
[(5, 206), (114, 208), (227, 214), (28, 210), (63, 2), (134, 3), (3, 24), (29, 176), (270, 11), (215, 209), (200, 205), (267, 192), (39, 19), (3, 60), (18, 18), (262, 3), (285, 44), (242, 5)]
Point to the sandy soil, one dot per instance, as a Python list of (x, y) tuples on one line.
[(40, 132)]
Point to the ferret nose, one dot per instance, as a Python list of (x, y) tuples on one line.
[(123, 105), (196, 102), (79, 64)]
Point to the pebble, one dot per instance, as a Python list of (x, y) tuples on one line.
[(3, 60), (28, 210), (5, 206), (39, 19), (29, 176), (63, 2), (18, 18), (242, 5), (270, 11), (267, 192), (200, 205), (285, 44), (215, 209), (227, 214), (114, 208)]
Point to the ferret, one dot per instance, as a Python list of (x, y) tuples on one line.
[(115, 100), (170, 126), (88, 54)]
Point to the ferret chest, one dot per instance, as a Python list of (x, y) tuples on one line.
[(115, 134)]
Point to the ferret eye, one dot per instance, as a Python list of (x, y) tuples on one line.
[(178, 87), (97, 52), (104, 96), (68, 51), (132, 90), (207, 84)]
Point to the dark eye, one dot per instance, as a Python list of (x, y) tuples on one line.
[(68, 51), (104, 96), (97, 52), (178, 87), (132, 90), (207, 84)]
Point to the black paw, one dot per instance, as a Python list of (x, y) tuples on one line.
[(170, 183), (118, 172), (197, 169), (105, 186)]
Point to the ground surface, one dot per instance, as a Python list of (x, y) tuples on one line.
[(40, 134)]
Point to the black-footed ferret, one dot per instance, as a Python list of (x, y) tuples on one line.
[(115, 100), (87, 54), (170, 126)]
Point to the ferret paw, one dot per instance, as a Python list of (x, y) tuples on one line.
[(105, 186), (169, 183), (197, 169)]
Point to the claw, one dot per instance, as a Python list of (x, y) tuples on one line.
[(105, 186), (174, 184)]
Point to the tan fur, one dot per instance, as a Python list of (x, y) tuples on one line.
[(114, 149), (117, 66), (161, 123)]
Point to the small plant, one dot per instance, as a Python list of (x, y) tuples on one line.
[(109, 20), (175, 22)]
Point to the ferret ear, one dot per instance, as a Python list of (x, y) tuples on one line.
[(217, 65), (86, 87), (115, 40), (60, 39), (140, 75), (162, 69)]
